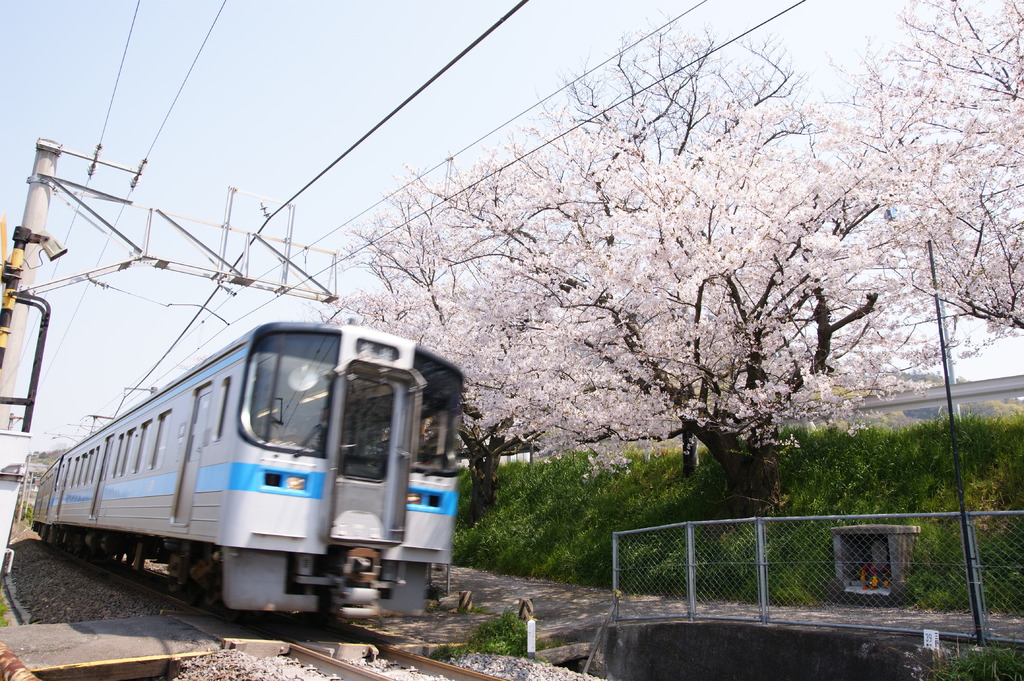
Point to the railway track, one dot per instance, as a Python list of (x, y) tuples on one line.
[(332, 652)]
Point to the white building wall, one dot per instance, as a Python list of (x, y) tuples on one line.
[(13, 450)]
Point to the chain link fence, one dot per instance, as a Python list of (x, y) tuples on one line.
[(901, 573)]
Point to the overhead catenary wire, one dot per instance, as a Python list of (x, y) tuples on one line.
[(525, 155), (152, 145), (504, 166), (91, 171), (579, 124), (331, 165), (513, 119), (117, 81), (397, 109), (181, 89)]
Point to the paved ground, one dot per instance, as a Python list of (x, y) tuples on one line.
[(571, 613), (53, 645), (574, 614)]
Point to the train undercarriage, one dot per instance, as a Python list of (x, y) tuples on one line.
[(346, 582)]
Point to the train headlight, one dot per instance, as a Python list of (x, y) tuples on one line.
[(414, 498), (295, 482)]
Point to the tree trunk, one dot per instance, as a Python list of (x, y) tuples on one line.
[(752, 480), (483, 467), (484, 448)]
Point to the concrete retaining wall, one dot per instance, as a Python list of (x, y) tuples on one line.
[(739, 651)]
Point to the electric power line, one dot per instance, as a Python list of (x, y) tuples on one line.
[(513, 119), (519, 158), (182, 87), (323, 172), (117, 80), (398, 108), (575, 127)]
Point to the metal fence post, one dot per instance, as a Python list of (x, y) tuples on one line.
[(615, 576), (977, 585), (762, 571), (691, 574), (817, 576)]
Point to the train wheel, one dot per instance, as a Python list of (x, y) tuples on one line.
[(317, 619), (232, 615), (211, 597), (193, 592)]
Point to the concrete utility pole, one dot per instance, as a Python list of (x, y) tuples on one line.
[(37, 206)]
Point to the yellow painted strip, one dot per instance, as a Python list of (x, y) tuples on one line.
[(58, 671)]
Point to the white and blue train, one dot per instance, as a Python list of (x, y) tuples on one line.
[(303, 468)]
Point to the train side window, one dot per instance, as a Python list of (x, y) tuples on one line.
[(225, 389), (107, 464), (93, 455), (143, 437), (74, 471), (121, 455), (160, 441), (115, 462), (129, 437)]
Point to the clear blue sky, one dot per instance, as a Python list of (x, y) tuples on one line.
[(279, 90)]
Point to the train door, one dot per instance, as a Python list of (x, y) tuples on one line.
[(373, 456), (59, 485), (198, 438)]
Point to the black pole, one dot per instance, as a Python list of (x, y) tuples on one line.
[(972, 581), (40, 304)]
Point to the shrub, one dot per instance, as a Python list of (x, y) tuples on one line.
[(505, 635)]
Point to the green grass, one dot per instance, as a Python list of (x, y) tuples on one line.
[(909, 470), (554, 520), (505, 635), (990, 664)]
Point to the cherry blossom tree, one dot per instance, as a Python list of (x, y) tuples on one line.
[(945, 109), (695, 250), (435, 255)]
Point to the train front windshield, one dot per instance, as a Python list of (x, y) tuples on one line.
[(290, 378), (440, 415), (290, 382)]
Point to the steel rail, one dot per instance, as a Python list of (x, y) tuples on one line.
[(296, 648)]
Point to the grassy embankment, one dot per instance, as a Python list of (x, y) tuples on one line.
[(554, 522)]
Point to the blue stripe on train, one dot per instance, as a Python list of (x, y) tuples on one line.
[(249, 477), (151, 486), (444, 502)]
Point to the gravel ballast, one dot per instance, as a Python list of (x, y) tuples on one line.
[(50, 589)]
